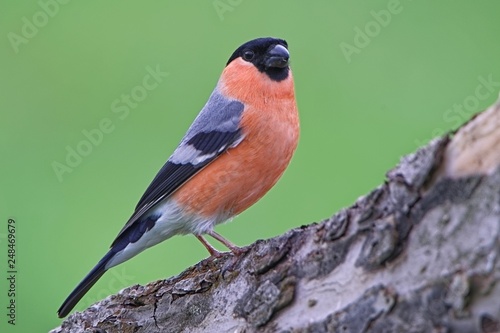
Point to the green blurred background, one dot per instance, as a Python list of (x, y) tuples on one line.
[(370, 88)]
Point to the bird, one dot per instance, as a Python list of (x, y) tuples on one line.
[(234, 152)]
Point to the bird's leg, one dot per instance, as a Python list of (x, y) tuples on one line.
[(213, 252), (235, 249)]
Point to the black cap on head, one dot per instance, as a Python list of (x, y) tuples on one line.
[(268, 55)]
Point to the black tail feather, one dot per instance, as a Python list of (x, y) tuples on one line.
[(85, 285)]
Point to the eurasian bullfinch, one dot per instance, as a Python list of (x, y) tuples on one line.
[(236, 149)]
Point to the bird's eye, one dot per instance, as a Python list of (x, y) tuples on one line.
[(248, 55)]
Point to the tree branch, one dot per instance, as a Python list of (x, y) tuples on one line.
[(420, 253)]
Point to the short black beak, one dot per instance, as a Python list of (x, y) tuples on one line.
[(277, 56)]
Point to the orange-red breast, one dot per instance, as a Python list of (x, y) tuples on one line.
[(237, 148)]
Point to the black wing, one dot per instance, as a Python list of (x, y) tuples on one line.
[(205, 147)]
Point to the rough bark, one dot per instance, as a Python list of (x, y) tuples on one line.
[(420, 253)]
